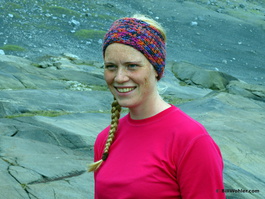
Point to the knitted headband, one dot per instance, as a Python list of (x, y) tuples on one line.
[(141, 36)]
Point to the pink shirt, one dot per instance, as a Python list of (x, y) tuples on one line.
[(169, 155)]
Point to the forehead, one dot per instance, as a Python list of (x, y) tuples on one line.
[(121, 51)]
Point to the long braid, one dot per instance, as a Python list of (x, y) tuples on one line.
[(115, 115)]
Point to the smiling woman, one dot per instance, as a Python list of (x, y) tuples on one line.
[(155, 151), (132, 80)]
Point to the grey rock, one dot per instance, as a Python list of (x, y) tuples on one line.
[(256, 92), (194, 75), (45, 157), (24, 74), (2, 52), (8, 81), (35, 168), (170, 86), (26, 101), (47, 135)]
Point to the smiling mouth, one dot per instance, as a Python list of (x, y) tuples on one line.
[(125, 90)]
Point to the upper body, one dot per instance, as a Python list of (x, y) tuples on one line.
[(156, 151), (168, 155)]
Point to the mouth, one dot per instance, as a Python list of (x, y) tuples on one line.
[(125, 89)]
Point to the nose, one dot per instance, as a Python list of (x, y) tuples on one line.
[(121, 75)]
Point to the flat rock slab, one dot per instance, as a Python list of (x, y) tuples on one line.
[(17, 102), (31, 168)]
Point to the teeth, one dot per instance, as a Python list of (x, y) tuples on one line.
[(124, 90)]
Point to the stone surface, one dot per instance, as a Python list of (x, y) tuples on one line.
[(256, 92), (47, 135), (226, 35), (194, 75), (53, 105)]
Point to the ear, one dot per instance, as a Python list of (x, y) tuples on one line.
[(156, 74)]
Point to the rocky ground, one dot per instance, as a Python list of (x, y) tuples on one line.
[(54, 101), (52, 111), (225, 35)]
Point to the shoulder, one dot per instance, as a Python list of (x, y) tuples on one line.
[(185, 124)]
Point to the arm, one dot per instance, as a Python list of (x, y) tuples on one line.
[(200, 170)]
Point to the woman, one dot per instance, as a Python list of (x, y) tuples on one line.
[(155, 151)]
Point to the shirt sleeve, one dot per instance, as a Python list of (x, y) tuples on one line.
[(200, 170)]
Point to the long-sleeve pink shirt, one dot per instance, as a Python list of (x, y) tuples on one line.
[(169, 155)]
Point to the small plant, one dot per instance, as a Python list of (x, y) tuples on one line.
[(38, 113), (58, 10), (24, 186), (12, 6), (89, 34), (12, 48), (175, 100)]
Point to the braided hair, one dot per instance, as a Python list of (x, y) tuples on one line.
[(115, 115)]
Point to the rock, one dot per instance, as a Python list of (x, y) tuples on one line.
[(170, 87), (70, 56), (2, 52), (24, 74), (256, 92), (47, 156), (35, 169), (194, 23), (237, 125), (234, 175), (194, 75), (63, 101), (47, 133), (9, 81)]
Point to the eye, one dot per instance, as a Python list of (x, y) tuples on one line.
[(110, 67), (132, 66)]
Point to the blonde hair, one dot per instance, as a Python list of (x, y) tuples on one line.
[(115, 116), (153, 23), (116, 108)]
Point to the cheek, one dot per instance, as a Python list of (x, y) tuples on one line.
[(107, 77), (149, 82), (146, 81)]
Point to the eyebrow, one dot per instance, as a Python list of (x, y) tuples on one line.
[(126, 63)]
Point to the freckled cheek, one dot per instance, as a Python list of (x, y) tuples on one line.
[(148, 84), (108, 77)]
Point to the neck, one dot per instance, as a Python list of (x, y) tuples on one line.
[(149, 109)]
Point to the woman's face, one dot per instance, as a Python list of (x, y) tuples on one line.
[(130, 76)]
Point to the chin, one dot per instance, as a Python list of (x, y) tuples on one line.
[(126, 103)]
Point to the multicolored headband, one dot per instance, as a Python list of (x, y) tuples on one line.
[(141, 36)]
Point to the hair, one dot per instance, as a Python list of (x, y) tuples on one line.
[(116, 108), (115, 116), (153, 23)]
